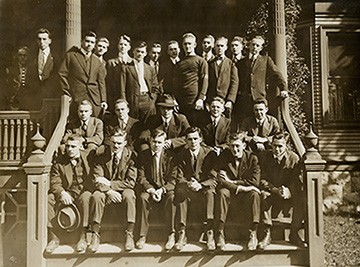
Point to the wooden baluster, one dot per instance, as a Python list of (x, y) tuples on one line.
[(1, 140), (18, 139), (31, 126), (12, 140), (24, 140), (6, 140)]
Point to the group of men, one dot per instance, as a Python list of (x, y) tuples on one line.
[(178, 129)]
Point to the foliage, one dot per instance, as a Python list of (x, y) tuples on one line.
[(297, 70)]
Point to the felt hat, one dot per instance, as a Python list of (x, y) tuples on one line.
[(166, 100), (68, 217)]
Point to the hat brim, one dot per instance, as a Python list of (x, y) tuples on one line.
[(76, 224), (167, 105)]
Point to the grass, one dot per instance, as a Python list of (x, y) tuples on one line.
[(342, 240)]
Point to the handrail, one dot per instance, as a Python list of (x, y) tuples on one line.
[(299, 146), (59, 130)]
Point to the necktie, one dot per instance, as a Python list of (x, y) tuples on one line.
[(166, 125), (41, 62), (115, 165), (193, 162), (87, 62), (214, 124), (84, 128), (252, 60), (157, 67), (122, 125), (157, 169), (260, 126)]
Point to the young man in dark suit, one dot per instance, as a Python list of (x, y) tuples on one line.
[(101, 47), (193, 164), (70, 182), (207, 46), (154, 57), (82, 75), (260, 127), (281, 187), (237, 172), (86, 126), (256, 73), (237, 45), (173, 124), (217, 127), (139, 85), (157, 181), (115, 175), (223, 76)]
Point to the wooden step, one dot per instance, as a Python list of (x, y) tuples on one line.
[(280, 253)]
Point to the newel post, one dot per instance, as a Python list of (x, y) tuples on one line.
[(37, 172), (314, 165)]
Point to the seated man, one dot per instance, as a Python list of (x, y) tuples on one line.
[(173, 124), (89, 128), (237, 172), (70, 182), (157, 181), (193, 162), (115, 177), (122, 121), (280, 183), (217, 127), (260, 127)]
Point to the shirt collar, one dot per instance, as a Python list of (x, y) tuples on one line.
[(125, 120), (46, 51), (261, 122), (215, 119), (175, 60), (166, 120), (85, 53), (196, 152), (280, 157)]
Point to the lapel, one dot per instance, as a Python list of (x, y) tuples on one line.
[(49, 65), (85, 162), (133, 72), (242, 164), (123, 161), (172, 127), (258, 61), (93, 64), (147, 75), (266, 126), (199, 160), (231, 165), (219, 127), (81, 59), (255, 128), (68, 172), (108, 162), (188, 160)]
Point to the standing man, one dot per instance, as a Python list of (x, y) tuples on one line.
[(82, 75), (193, 164), (102, 46), (257, 72), (155, 56), (207, 46), (46, 66), (238, 173), (157, 181), (192, 81), (167, 71), (116, 66), (223, 76), (115, 175), (139, 85), (237, 45), (70, 183)]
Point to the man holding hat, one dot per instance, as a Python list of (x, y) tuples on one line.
[(70, 183), (173, 124)]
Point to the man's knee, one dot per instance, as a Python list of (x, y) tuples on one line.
[(85, 197), (98, 196), (128, 195)]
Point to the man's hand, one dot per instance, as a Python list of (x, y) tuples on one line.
[(113, 196), (228, 105), (223, 175), (104, 105), (151, 191), (285, 192), (158, 195), (167, 144), (194, 185), (260, 146), (243, 188), (102, 181), (284, 94), (199, 104), (65, 198), (217, 150)]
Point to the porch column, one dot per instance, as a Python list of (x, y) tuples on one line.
[(73, 23), (37, 172), (314, 165), (279, 36)]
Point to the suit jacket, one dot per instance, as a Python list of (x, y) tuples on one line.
[(274, 174), (133, 129), (79, 83), (130, 86), (94, 132), (175, 131), (61, 177), (253, 80), (223, 80), (248, 172), (166, 76), (123, 177), (269, 128), (146, 174), (216, 137), (185, 171)]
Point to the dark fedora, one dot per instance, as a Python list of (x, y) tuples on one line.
[(166, 100), (68, 217)]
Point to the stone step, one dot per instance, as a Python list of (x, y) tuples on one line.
[(280, 253)]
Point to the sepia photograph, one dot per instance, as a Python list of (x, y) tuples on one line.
[(179, 133)]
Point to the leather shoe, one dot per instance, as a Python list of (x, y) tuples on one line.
[(81, 246), (129, 241), (170, 242), (221, 240), (296, 240), (253, 242), (181, 241), (141, 242), (266, 241), (52, 245), (95, 242), (210, 243)]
